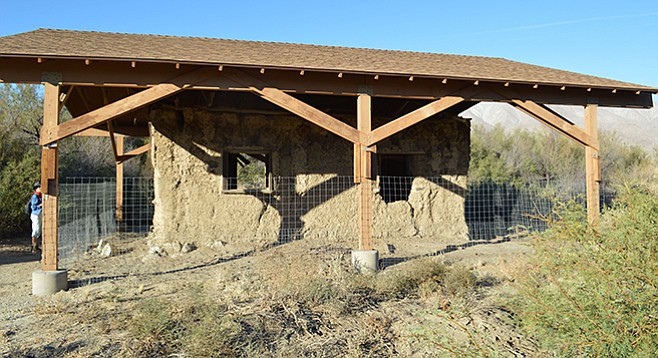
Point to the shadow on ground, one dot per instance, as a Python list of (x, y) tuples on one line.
[(390, 261), (93, 280), (17, 256)]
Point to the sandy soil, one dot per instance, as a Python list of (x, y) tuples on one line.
[(82, 321)]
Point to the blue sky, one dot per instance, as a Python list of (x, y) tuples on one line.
[(613, 39)]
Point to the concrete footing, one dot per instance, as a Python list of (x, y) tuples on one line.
[(45, 283), (365, 261)]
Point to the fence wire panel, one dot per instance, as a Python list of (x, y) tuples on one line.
[(489, 210), (403, 217), (320, 209), (306, 207), (499, 210), (87, 214)]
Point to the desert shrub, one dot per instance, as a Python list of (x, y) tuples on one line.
[(210, 332), (405, 280), (595, 292), (305, 307), (424, 277), (156, 329), (197, 327), (458, 281), (308, 279)]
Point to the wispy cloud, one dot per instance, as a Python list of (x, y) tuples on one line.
[(570, 22)]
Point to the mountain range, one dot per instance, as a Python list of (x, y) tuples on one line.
[(634, 126)]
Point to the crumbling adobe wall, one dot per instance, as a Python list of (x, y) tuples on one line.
[(190, 204), (435, 206)]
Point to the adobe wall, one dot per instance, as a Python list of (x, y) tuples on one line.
[(190, 204)]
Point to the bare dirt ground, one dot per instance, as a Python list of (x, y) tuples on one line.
[(89, 319)]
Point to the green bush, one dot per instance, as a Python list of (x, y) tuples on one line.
[(520, 156), (596, 292), (16, 180)]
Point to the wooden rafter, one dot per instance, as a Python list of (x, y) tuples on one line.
[(309, 113), (412, 118), (133, 153), (356, 136), (555, 121), (113, 141), (67, 95), (122, 106), (294, 105), (83, 98), (95, 132)]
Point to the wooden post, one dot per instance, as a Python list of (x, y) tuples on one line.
[(363, 163), (49, 184), (592, 165), (119, 180)]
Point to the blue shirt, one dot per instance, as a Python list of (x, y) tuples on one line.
[(35, 204)]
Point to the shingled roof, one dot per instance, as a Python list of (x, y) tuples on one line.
[(49, 43)]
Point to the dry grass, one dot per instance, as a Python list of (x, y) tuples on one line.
[(307, 304), (291, 300)]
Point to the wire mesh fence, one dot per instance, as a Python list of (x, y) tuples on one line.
[(88, 213), (404, 216)]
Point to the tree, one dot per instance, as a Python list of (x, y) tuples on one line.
[(523, 156), (21, 114), (21, 118)]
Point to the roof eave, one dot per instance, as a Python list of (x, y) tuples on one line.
[(638, 88)]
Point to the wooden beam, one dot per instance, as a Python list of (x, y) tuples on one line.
[(364, 125), (122, 106), (106, 99), (412, 118), (113, 142), (67, 95), (108, 112), (119, 142), (365, 215), (357, 163), (294, 105), (309, 113), (555, 121), (49, 184), (126, 131), (94, 132), (135, 152), (592, 166), (114, 73), (83, 97)]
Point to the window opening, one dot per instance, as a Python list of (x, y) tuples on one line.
[(395, 177), (246, 171)]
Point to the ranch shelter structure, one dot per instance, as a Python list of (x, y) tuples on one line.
[(306, 113)]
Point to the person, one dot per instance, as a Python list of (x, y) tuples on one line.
[(35, 216)]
